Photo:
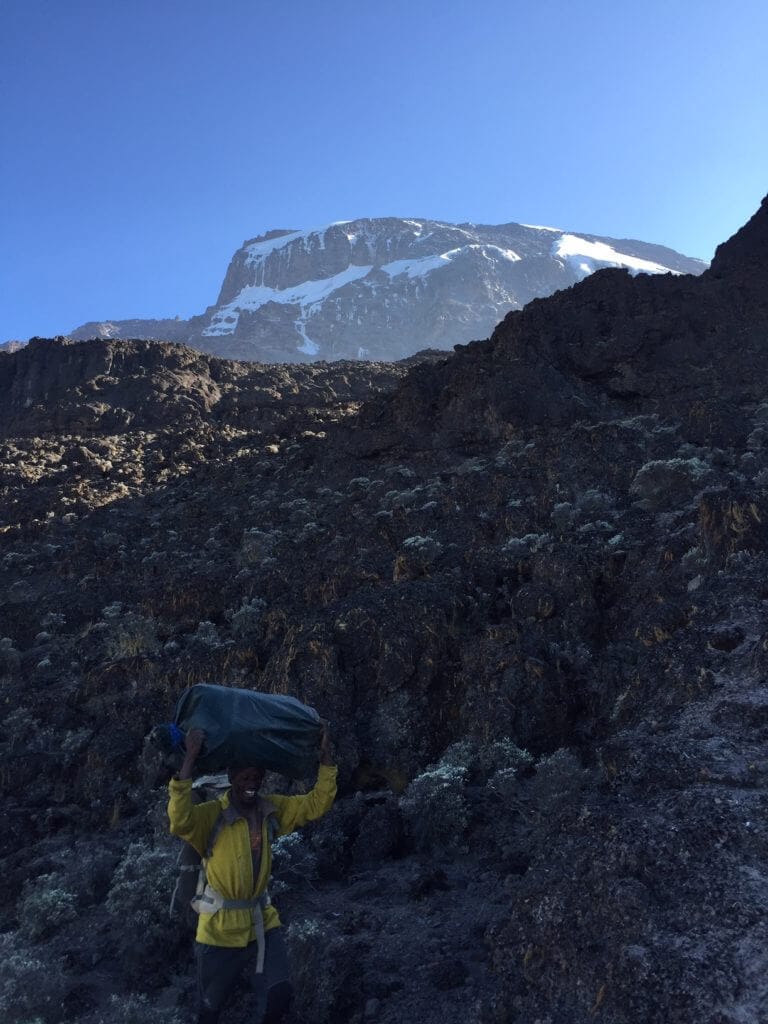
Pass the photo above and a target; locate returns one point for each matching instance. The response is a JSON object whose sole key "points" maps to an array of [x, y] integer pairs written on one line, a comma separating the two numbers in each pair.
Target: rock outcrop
{"points": [[57, 385]]}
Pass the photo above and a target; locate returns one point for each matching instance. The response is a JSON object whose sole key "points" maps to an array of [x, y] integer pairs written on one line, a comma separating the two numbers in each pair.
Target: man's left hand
{"points": [[326, 746]]}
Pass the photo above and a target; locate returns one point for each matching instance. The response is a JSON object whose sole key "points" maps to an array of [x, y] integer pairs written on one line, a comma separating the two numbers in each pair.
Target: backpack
{"points": [[189, 863]]}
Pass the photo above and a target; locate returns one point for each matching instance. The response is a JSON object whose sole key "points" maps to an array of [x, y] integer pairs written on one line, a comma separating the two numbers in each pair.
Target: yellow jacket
{"points": [[230, 866]]}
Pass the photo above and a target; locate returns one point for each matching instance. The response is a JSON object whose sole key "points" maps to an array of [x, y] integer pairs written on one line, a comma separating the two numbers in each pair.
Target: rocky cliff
{"points": [[386, 288], [526, 583]]}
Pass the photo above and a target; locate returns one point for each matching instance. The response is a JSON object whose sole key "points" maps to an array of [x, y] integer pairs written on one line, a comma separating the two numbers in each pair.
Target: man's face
{"points": [[246, 783]]}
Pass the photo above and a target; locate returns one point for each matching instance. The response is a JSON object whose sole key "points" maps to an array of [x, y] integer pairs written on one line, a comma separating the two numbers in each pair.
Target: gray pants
{"points": [[219, 969]]}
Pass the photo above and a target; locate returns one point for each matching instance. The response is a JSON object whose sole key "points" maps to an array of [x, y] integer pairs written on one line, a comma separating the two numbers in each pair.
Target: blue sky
{"points": [[144, 140]]}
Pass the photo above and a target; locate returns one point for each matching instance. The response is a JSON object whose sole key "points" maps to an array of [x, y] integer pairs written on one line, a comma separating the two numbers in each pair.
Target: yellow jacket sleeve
{"points": [[295, 811], [191, 822]]}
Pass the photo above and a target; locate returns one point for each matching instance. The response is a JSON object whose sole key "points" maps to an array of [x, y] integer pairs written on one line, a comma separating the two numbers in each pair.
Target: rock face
{"points": [[57, 385], [526, 584], [383, 289]]}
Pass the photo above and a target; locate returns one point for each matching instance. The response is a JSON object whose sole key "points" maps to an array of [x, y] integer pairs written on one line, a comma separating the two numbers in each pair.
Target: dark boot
{"points": [[278, 1001]]}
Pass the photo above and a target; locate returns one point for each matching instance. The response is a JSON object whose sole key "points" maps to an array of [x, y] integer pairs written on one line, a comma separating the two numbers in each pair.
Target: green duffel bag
{"points": [[244, 728]]}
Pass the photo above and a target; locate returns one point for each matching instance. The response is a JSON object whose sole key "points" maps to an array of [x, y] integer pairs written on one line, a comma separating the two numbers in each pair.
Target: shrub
{"points": [[522, 547], [402, 499], [666, 484], [257, 545], [138, 900], [21, 733], [130, 634], [53, 621], [31, 988], [205, 636], [758, 439], [45, 904], [402, 472], [504, 783], [359, 485], [562, 515], [461, 755], [140, 883], [136, 1009], [246, 620], [379, 832], [536, 806], [472, 465], [693, 560], [499, 763], [330, 839], [558, 783], [505, 762], [434, 806], [593, 500], [418, 555], [314, 991], [73, 744], [294, 863], [10, 658]]}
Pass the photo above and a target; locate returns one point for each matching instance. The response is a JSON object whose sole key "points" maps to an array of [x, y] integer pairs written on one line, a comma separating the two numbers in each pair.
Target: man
{"points": [[238, 930]]}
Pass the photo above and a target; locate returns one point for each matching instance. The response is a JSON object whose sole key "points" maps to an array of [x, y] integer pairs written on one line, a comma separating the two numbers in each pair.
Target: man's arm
{"points": [[326, 746], [193, 744], [191, 822], [295, 811]]}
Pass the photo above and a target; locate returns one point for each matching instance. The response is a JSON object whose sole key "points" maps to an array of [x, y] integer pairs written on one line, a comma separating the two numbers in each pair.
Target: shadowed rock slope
{"points": [[526, 583]]}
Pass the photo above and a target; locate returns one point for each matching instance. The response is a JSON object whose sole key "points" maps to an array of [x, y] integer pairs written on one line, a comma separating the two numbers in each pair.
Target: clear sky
{"points": [[143, 140]]}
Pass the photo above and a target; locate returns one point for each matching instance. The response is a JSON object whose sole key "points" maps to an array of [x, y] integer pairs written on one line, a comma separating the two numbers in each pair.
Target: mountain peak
{"points": [[383, 288]]}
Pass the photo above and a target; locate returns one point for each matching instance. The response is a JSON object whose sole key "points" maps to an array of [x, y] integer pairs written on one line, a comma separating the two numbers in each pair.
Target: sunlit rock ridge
{"points": [[386, 288]]}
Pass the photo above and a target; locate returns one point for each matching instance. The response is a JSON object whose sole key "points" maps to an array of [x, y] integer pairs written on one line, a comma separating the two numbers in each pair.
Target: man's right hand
{"points": [[193, 744], [193, 741]]}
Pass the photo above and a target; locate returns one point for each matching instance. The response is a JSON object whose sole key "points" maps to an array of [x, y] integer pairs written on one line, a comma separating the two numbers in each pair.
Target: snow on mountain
{"points": [[307, 295], [586, 257], [385, 288]]}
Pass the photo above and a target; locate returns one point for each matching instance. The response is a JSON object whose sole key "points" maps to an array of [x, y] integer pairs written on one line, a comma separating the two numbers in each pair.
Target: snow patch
{"points": [[586, 257], [306, 294], [505, 254], [224, 322], [426, 264], [260, 250], [309, 347], [417, 267]]}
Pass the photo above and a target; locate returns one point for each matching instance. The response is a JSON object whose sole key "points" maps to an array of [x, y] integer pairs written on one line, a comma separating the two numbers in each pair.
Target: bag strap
{"points": [[273, 827], [214, 834]]}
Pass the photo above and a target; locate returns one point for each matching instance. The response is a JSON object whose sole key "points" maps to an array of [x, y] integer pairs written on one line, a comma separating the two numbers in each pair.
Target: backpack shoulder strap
{"points": [[273, 828], [214, 834]]}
